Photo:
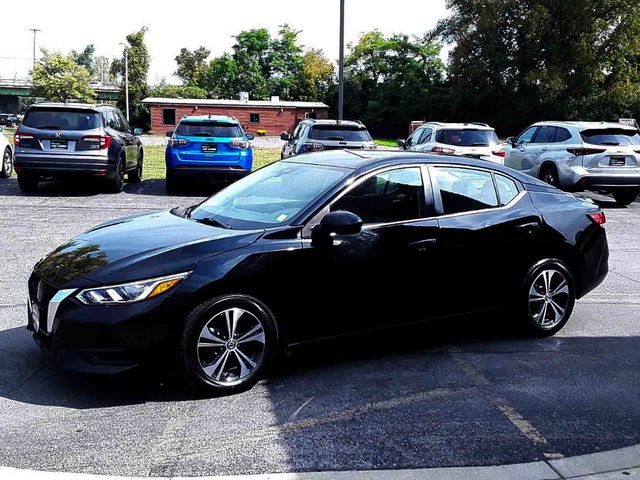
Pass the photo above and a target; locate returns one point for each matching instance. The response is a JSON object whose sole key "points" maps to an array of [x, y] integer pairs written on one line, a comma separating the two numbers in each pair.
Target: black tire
{"points": [[6, 163], [115, 184], [204, 368], [171, 184], [625, 197], [135, 176], [549, 174], [28, 182], [542, 312]]}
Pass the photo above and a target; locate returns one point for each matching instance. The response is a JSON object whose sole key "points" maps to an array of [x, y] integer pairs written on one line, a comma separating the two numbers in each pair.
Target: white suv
{"points": [[6, 155], [476, 140], [577, 156]]}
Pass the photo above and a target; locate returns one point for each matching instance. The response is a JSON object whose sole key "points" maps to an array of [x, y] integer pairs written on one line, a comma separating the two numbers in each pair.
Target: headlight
{"points": [[130, 292]]}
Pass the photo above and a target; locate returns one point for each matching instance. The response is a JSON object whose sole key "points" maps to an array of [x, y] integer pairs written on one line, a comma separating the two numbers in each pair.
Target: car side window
{"points": [[414, 138], [507, 189], [426, 137], [545, 135], [465, 190], [391, 196], [123, 122], [526, 136], [562, 135]]}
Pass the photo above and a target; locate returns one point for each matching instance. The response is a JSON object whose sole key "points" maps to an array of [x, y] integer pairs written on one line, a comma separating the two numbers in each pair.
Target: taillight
{"points": [[311, 147], [598, 217], [178, 142], [444, 151], [97, 142], [500, 153], [241, 144], [579, 152], [21, 137]]}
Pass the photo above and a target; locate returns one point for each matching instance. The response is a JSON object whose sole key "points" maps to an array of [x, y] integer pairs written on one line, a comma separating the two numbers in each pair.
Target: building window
{"points": [[311, 115], [168, 116], [254, 118]]}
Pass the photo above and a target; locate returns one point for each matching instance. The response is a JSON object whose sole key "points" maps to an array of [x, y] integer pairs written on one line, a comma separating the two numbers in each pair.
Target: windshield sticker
{"points": [[281, 218]]}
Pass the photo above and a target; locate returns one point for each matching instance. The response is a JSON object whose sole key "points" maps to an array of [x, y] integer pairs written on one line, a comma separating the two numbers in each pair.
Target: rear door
{"points": [[130, 142]]}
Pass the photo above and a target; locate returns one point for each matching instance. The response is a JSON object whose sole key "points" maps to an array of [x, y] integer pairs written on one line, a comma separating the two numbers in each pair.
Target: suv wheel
{"points": [[28, 182], [227, 345], [6, 168], [547, 298], [549, 175], [116, 183], [625, 197], [136, 175]]}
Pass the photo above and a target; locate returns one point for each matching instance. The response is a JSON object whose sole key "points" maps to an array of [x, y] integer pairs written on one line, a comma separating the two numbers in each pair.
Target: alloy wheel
{"points": [[7, 162], [549, 298], [549, 178], [231, 346]]}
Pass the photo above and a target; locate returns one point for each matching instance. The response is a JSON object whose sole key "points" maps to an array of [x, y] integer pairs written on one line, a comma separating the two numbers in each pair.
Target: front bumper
{"points": [[63, 165]]}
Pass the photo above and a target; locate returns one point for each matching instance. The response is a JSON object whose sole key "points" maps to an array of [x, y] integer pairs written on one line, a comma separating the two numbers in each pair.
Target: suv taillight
{"points": [[579, 152], [444, 151], [241, 144], [598, 217], [21, 137], [97, 142], [178, 142], [500, 153], [311, 147]]}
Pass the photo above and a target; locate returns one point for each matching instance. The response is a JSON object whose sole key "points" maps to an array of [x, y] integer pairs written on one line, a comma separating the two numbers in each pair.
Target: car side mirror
{"points": [[285, 136], [250, 136], [402, 142], [170, 134], [511, 141], [137, 132], [341, 223]]}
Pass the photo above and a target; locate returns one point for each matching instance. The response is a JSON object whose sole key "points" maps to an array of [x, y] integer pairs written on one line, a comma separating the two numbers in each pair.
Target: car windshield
{"points": [[209, 129], [611, 136], [340, 134], [464, 137], [62, 119], [269, 197]]}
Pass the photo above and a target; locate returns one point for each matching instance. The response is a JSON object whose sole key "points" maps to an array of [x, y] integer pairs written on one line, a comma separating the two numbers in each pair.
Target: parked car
{"points": [[6, 152], [474, 140], [9, 119], [207, 149], [319, 245], [578, 156], [65, 139], [316, 135]]}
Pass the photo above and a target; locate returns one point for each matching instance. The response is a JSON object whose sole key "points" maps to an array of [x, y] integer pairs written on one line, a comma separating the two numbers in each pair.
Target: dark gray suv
{"points": [[58, 140], [317, 135]]}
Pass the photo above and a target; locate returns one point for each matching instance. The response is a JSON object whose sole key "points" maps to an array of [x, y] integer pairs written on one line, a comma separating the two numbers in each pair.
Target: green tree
{"points": [[178, 91], [59, 78], [138, 57], [286, 63], [220, 78], [191, 64], [86, 57], [318, 75]]}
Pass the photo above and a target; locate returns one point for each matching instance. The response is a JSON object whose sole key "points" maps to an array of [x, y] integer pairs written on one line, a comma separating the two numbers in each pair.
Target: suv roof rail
{"points": [[481, 124]]}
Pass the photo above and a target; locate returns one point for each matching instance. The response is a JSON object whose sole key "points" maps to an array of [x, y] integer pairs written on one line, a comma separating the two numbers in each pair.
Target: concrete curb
{"points": [[623, 463]]}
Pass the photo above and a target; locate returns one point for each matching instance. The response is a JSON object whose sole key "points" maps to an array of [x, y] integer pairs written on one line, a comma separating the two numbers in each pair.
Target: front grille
{"points": [[40, 294]]}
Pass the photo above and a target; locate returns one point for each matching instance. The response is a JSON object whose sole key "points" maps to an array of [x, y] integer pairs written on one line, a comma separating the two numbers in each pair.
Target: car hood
{"points": [[138, 247]]}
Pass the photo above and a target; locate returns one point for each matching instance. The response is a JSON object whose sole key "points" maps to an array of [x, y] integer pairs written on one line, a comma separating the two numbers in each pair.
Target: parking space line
{"points": [[510, 413]]}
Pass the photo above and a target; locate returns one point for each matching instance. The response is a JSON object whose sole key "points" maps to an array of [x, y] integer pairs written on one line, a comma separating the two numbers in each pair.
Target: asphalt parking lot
{"points": [[468, 392]]}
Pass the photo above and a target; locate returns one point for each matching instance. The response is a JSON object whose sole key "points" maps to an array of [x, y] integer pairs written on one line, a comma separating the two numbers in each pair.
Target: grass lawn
{"points": [[386, 142], [154, 167]]}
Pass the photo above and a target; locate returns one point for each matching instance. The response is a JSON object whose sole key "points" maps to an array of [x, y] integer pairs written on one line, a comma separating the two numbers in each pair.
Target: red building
{"points": [[273, 117]]}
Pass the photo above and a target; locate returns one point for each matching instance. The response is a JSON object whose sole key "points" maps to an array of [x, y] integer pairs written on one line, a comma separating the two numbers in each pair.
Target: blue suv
{"points": [[207, 149]]}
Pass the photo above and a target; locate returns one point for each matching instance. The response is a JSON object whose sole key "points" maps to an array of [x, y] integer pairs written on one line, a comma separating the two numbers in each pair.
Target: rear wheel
{"points": [[227, 345], [136, 175], [116, 183], [625, 197], [28, 182], [547, 298], [549, 174], [6, 167]]}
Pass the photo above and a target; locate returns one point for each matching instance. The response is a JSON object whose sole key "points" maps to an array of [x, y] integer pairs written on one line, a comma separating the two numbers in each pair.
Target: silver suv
{"points": [[317, 135], [578, 156]]}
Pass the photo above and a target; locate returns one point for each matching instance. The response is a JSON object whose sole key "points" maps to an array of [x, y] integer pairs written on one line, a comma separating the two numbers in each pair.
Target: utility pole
{"points": [[126, 78], [341, 65], [35, 32]]}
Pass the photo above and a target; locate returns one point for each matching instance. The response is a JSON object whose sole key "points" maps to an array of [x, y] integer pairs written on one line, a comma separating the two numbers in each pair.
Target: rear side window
{"points": [[62, 119], [391, 196], [465, 190], [208, 129], [467, 137], [507, 189], [340, 134], [562, 135], [545, 135], [611, 136]]}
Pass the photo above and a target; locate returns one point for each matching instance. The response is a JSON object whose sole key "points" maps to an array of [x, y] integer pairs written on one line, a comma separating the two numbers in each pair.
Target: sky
{"points": [[68, 25]]}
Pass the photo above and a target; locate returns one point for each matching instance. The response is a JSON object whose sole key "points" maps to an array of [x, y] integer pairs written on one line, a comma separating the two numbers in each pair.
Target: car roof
{"points": [[583, 125], [72, 106], [209, 118], [359, 160], [462, 126], [346, 123]]}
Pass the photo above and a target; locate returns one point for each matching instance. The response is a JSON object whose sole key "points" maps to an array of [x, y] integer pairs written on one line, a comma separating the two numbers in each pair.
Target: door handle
{"points": [[528, 226], [544, 149], [423, 245]]}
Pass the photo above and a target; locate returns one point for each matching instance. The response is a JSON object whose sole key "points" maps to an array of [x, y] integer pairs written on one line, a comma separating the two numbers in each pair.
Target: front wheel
{"points": [[227, 345], [547, 299], [136, 175], [6, 167], [625, 197]]}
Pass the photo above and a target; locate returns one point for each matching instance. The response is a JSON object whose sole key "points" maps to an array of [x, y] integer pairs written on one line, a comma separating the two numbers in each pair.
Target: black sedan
{"points": [[327, 244]]}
